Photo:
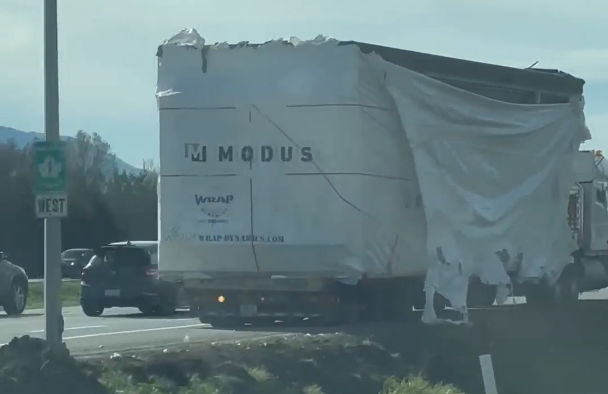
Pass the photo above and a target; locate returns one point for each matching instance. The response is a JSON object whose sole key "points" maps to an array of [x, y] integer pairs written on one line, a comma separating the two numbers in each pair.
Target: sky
{"points": [[107, 63]]}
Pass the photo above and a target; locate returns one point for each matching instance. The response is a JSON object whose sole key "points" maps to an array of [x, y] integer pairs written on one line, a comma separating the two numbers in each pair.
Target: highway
{"points": [[120, 329]]}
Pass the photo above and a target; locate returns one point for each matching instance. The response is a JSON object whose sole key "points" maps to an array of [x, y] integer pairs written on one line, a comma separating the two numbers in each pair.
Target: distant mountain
{"points": [[24, 138]]}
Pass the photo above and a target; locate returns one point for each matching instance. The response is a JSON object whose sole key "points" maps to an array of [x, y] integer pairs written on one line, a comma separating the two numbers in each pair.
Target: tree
{"points": [[103, 205]]}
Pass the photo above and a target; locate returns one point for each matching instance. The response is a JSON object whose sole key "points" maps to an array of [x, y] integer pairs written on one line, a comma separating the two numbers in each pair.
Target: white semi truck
{"points": [[289, 189], [588, 218]]}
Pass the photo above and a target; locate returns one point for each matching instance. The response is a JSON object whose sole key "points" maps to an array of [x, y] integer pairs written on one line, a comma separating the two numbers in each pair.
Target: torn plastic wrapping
{"points": [[494, 176], [382, 139]]}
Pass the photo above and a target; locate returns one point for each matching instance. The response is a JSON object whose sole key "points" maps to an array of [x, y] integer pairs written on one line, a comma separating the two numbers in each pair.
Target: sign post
{"points": [[50, 170]]}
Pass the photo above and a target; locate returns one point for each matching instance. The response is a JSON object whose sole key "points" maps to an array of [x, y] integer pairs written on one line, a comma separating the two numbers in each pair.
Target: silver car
{"points": [[13, 286]]}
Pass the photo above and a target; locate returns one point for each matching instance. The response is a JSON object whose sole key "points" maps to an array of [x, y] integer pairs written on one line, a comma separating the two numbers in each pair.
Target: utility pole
{"points": [[52, 225]]}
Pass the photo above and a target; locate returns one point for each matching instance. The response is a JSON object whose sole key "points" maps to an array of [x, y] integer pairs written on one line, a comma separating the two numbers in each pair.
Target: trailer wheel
{"points": [[566, 291], [146, 310], [390, 300], [563, 294], [481, 295], [348, 314], [223, 322], [537, 295]]}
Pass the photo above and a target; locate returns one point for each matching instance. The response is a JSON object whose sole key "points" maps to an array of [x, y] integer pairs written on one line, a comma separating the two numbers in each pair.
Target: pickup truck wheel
{"points": [[17, 298], [91, 308]]}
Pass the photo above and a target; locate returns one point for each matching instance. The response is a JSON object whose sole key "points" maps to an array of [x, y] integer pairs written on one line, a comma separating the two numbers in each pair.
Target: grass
{"points": [[297, 364], [263, 383], [70, 294]]}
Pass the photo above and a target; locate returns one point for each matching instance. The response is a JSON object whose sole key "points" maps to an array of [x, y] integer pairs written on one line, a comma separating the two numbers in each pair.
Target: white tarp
{"points": [[494, 176], [284, 160], [299, 159]]}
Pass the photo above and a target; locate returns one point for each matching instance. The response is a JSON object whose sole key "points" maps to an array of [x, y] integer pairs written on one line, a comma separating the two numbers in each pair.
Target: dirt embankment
{"points": [[28, 366], [532, 352]]}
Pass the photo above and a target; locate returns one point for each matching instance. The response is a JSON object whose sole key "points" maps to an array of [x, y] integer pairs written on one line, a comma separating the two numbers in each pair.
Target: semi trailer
{"points": [[292, 173]]}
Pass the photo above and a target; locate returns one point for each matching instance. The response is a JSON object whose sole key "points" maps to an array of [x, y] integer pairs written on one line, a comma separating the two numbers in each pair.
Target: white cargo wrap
{"points": [[284, 160], [311, 158]]}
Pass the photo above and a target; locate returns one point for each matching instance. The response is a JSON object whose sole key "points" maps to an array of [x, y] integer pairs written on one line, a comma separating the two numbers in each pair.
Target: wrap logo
{"points": [[197, 152], [214, 207], [213, 199]]}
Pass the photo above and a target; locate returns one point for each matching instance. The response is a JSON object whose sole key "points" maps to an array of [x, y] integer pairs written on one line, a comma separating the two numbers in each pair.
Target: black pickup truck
{"points": [[13, 286]]}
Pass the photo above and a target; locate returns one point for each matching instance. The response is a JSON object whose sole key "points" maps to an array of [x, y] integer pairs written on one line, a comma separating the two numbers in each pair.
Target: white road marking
{"points": [[71, 328], [104, 334], [487, 372]]}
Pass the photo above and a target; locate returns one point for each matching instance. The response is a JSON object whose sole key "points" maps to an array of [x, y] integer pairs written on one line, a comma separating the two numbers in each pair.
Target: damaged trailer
{"points": [[289, 185]]}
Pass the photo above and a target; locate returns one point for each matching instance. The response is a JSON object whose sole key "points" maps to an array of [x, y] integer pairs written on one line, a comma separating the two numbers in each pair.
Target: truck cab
{"points": [[589, 219], [587, 214]]}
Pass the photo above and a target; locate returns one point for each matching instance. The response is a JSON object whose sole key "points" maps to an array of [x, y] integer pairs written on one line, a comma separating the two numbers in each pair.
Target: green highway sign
{"points": [[50, 167]]}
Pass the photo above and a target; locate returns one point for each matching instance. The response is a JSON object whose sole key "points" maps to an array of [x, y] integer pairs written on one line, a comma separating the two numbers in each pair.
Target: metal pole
{"points": [[52, 226]]}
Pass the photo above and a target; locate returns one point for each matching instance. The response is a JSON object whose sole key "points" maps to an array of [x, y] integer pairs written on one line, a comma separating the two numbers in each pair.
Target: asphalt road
{"points": [[120, 329]]}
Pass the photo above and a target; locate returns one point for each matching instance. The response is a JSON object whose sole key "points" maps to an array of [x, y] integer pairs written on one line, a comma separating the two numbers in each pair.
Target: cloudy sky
{"points": [[108, 66]]}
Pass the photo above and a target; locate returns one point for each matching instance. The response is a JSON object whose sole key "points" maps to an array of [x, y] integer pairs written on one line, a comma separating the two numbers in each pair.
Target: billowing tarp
{"points": [[494, 176], [312, 158]]}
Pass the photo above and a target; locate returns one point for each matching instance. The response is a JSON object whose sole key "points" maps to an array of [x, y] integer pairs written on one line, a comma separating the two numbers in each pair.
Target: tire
{"points": [[481, 295], [537, 296], [167, 306], [223, 322], [566, 291], [563, 294], [347, 314], [91, 308], [147, 310], [16, 300]]}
